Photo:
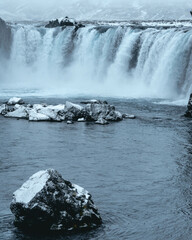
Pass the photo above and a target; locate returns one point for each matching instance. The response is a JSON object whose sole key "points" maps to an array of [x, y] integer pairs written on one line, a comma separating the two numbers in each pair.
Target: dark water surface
{"points": [[138, 171]]}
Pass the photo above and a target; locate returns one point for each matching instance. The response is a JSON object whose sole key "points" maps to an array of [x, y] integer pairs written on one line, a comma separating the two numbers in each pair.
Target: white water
{"points": [[103, 61]]}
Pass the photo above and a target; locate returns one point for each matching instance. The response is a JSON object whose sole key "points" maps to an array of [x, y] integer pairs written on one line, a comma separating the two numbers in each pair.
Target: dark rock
{"points": [[65, 22], [101, 121], [189, 107], [50, 203], [94, 111]]}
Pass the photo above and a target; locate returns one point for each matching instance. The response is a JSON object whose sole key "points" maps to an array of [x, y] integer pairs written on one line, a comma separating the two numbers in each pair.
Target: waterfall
{"points": [[123, 61]]}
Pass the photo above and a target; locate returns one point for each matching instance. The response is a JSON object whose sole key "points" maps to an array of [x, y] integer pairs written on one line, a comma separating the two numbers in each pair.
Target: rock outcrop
{"points": [[64, 22], [189, 107], [96, 111], [48, 202]]}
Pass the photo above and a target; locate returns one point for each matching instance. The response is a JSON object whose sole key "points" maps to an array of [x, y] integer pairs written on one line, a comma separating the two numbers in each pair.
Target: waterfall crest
{"points": [[123, 61]]}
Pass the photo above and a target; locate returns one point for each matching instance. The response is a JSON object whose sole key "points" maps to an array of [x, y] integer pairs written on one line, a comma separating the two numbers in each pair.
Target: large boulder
{"points": [[189, 107], [102, 110], [48, 202]]}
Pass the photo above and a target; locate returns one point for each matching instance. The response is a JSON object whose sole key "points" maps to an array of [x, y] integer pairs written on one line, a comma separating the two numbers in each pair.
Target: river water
{"points": [[139, 172]]}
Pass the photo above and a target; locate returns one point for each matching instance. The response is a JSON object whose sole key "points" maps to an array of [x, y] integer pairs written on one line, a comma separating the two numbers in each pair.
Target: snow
{"points": [[31, 187], [81, 120], [81, 191], [173, 23], [35, 116], [20, 112], [69, 105], [57, 108]]}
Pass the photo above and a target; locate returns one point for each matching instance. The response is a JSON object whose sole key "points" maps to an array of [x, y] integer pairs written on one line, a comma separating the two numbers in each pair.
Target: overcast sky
{"points": [[94, 9]]}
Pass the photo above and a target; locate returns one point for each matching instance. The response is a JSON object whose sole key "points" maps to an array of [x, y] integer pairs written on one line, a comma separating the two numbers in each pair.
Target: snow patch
{"points": [[35, 116], [81, 191], [30, 188]]}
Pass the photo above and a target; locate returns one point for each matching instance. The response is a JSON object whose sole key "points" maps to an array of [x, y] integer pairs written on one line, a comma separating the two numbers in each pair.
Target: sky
{"points": [[95, 9]]}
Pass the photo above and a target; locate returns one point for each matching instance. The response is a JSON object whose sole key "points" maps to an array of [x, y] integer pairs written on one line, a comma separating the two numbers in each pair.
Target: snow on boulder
{"points": [[114, 116], [73, 111], [15, 100], [19, 112], [48, 202], [36, 116], [70, 106]]}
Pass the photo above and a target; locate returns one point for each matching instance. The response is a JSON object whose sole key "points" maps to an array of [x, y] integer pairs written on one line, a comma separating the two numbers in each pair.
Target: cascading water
{"points": [[124, 61]]}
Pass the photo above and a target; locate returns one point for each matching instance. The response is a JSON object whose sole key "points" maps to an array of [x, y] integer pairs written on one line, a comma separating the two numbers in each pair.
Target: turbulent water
{"points": [[122, 60]]}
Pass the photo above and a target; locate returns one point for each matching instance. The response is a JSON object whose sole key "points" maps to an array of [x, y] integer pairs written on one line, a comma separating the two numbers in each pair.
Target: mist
{"points": [[89, 10]]}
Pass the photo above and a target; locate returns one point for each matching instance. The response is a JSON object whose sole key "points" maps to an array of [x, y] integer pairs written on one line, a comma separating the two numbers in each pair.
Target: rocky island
{"points": [[99, 112]]}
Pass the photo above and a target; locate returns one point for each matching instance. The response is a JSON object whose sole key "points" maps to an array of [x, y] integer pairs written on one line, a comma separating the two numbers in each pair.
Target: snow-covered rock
{"points": [[15, 100], [48, 202], [36, 116], [69, 106], [19, 112], [101, 121], [114, 116], [73, 111], [95, 111]]}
